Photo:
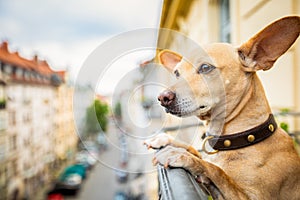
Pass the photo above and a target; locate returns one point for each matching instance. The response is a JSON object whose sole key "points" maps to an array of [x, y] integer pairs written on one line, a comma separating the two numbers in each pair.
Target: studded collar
{"points": [[241, 139]]}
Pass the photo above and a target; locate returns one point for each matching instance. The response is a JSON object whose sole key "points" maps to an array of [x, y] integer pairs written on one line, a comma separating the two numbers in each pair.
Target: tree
{"points": [[97, 117]]}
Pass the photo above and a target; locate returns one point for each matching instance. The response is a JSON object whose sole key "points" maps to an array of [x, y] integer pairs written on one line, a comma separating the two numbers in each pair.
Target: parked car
{"points": [[70, 180], [101, 139], [86, 158], [124, 158], [122, 176], [76, 168], [90, 146], [70, 186], [54, 195], [121, 196]]}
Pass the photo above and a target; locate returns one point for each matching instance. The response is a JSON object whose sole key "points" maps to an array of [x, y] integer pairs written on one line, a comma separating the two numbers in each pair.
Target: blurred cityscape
{"points": [[40, 152], [37, 127]]}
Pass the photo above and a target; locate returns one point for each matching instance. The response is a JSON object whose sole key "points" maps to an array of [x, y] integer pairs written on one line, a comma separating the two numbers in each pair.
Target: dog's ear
{"points": [[264, 48], [169, 59]]}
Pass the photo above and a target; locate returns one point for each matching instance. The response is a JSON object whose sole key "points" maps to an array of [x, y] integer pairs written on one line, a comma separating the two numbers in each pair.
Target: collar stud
{"points": [[227, 143], [271, 127], [251, 138]]}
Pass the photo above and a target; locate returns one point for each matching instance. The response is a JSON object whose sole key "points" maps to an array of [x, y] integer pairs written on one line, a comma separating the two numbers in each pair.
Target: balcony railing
{"points": [[178, 184], [294, 134]]}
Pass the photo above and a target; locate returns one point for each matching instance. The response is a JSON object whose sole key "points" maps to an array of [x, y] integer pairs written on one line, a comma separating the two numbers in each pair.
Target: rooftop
{"points": [[40, 68]]}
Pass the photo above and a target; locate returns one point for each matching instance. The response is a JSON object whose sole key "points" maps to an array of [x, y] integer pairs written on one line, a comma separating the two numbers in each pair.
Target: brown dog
{"points": [[251, 157]]}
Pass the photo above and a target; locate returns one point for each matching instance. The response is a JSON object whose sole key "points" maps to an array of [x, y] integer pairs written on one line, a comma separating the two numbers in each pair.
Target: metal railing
{"points": [[295, 134], [288, 113], [177, 183], [174, 128]]}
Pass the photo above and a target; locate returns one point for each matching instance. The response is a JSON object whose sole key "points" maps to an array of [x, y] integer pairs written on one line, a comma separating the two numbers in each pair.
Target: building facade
{"points": [[37, 123]]}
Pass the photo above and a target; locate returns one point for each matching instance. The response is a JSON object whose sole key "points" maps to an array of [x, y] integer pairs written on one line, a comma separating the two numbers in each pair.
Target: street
{"points": [[124, 153]]}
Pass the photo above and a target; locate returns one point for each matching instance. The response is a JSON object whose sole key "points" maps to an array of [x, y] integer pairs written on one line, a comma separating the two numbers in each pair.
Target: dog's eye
{"points": [[205, 68]]}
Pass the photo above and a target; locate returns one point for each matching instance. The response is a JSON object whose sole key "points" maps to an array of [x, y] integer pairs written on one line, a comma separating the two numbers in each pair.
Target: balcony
{"points": [[2, 104], [3, 120], [288, 119], [2, 150], [2, 92]]}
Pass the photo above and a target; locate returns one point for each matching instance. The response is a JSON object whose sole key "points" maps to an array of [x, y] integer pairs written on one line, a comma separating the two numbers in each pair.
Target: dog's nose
{"points": [[166, 98]]}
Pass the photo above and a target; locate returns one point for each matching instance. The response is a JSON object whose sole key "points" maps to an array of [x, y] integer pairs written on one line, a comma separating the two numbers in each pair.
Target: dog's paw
{"points": [[173, 157], [159, 141]]}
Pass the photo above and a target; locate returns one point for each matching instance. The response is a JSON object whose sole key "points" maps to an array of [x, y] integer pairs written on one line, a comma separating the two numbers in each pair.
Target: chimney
{"points": [[36, 58], [4, 46]]}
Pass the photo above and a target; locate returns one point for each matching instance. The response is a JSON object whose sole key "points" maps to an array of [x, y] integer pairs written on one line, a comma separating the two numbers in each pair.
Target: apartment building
{"points": [[36, 123], [64, 126], [3, 136]]}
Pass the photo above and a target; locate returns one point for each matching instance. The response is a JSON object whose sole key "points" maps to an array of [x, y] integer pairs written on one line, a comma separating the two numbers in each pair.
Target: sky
{"points": [[66, 32]]}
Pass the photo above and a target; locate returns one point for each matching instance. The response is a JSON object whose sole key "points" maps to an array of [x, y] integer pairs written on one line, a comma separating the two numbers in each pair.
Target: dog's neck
{"points": [[251, 110]]}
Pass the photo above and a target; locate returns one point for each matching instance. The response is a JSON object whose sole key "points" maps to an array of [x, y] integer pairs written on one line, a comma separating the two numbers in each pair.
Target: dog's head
{"points": [[220, 77]]}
